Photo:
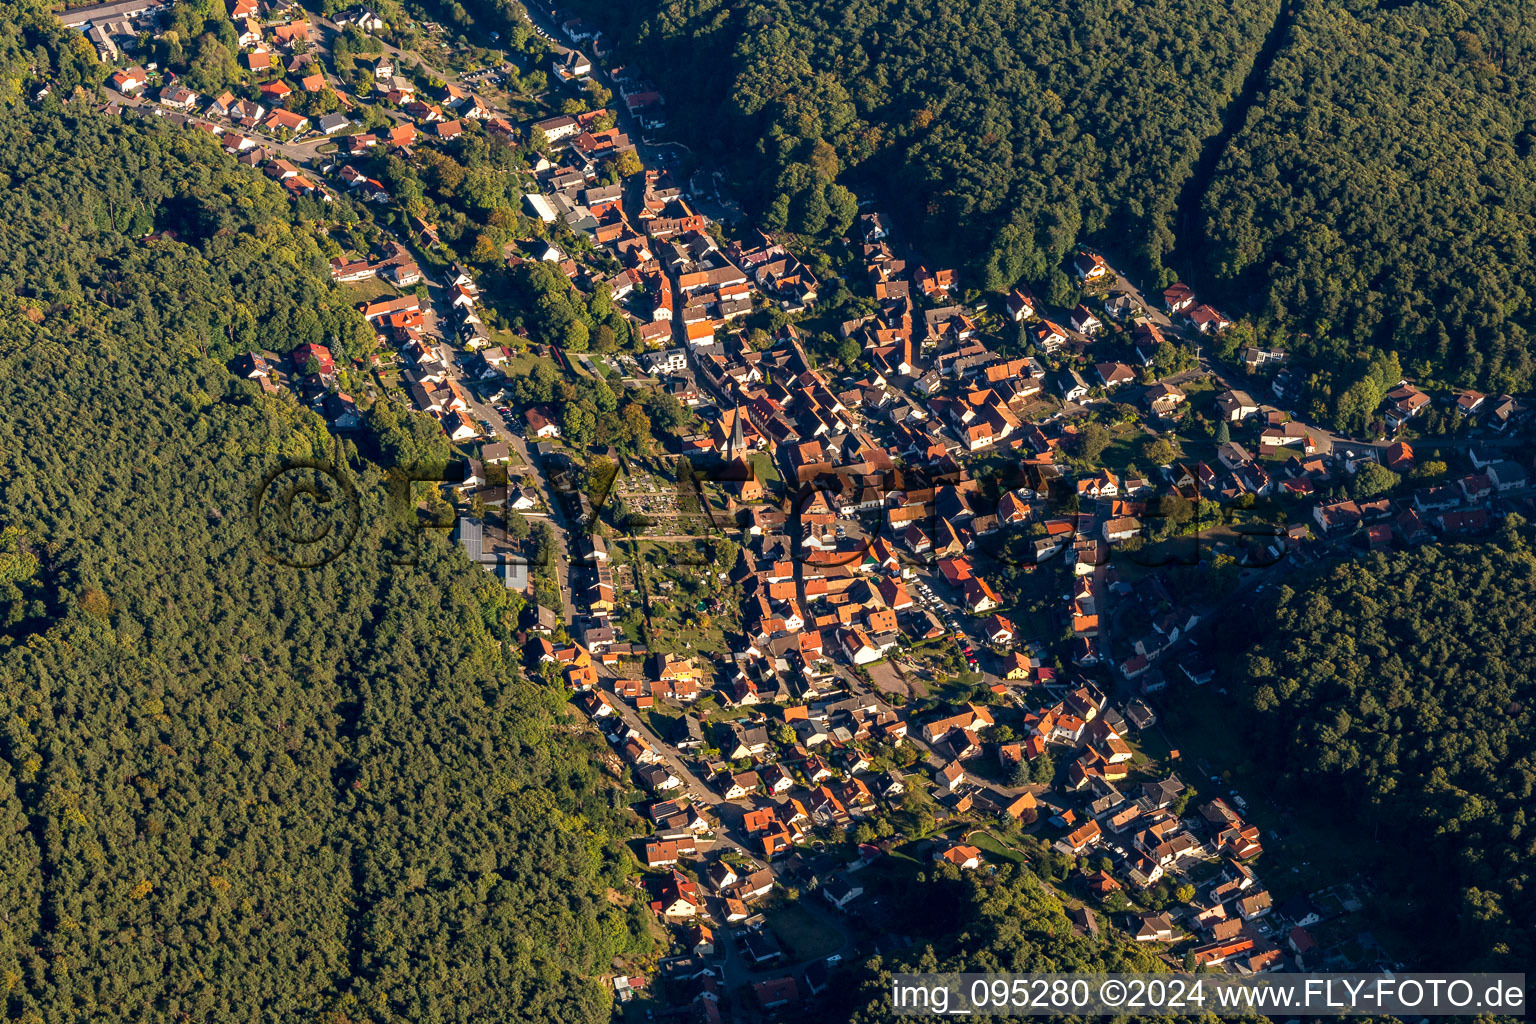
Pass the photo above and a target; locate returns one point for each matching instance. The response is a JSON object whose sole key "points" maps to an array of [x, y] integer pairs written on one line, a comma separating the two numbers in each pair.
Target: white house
{"points": [[1021, 305], [840, 892]]}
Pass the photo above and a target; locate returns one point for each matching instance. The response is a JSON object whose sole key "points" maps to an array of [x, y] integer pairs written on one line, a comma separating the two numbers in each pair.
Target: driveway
{"points": [[1124, 284]]}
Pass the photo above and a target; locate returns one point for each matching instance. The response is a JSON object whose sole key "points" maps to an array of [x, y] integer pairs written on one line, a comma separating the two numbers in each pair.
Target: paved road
{"points": [[1131, 288], [1228, 377], [1225, 376], [299, 152], [697, 790], [435, 314], [557, 513], [453, 359], [401, 56], [928, 758], [552, 498], [737, 971]]}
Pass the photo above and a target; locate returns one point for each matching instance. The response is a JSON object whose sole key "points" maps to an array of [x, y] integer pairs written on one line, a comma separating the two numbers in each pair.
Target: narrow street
{"points": [[552, 498], [298, 152], [694, 787], [789, 624], [736, 970], [435, 314]]}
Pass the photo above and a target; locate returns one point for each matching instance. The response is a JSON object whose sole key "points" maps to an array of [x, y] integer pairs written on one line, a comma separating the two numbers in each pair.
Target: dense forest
{"points": [[1398, 691], [263, 286], [235, 790], [36, 49], [1383, 191], [976, 922], [1012, 129]]}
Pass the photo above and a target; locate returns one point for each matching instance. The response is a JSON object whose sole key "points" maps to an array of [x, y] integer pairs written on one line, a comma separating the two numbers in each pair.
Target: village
{"points": [[910, 591]]}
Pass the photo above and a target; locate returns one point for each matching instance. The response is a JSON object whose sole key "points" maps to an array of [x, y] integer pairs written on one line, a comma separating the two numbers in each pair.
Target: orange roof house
{"points": [[961, 856]]}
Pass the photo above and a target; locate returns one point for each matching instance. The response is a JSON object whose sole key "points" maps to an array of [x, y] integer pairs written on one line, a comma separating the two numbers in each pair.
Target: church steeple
{"points": [[737, 448]]}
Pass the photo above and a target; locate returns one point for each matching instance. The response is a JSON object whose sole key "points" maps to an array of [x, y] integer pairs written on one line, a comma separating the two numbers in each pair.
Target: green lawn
{"points": [[995, 850], [1152, 746], [767, 472], [1125, 449], [805, 934], [369, 289], [521, 364], [729, 714], [896, 865], [673, 611], [1201, 392], [660, 718], [1198, 449], [509, 339]]}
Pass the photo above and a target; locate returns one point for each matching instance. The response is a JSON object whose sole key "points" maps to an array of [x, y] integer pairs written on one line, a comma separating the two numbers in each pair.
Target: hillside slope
{"points": [[1397, 691], [1359, 175], [1383, 193], [238, 790], [1005, 131]]}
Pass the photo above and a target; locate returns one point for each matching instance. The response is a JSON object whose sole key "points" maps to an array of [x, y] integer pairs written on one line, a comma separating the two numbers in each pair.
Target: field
{"points": [[510, 340], [1124, 450], [994, 848], [688, 608], [660, 718], [522, 362], [370, 289], [805, 934]]}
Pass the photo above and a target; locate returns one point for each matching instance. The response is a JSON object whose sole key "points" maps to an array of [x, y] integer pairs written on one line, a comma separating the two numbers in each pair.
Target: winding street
{"points": [[552, 498]]}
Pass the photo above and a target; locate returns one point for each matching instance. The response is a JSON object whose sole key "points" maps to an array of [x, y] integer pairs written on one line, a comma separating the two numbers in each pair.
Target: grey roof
{"points": [[471, 538], [81, 16], [510, 568]]}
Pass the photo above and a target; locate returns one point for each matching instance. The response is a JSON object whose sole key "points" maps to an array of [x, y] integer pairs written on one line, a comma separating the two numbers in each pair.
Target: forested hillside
{"points": [[234, 790], [1377, 195], [1399, 690], [1383, 190], [1008, 922], [35, 48], [1009, 131], [72, 230]]}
